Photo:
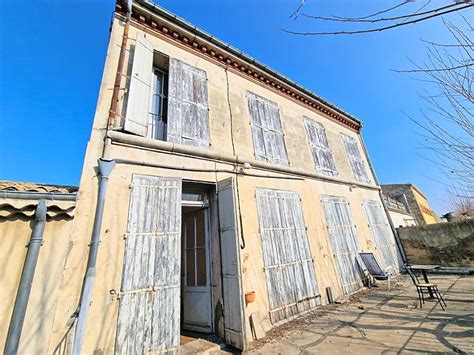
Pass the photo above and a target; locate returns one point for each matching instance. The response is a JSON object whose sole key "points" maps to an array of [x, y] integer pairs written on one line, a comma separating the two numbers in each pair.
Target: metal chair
{"points": [[421, 287], [375, 270]]}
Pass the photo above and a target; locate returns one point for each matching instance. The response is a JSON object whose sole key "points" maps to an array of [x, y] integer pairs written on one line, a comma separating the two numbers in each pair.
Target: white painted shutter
{"points": [[149, 305], [386, 249], [289, 271], [344, 242], [188, 110], [318, 142], [355, 158], [138, 103], [231, 272], [267, 131]]}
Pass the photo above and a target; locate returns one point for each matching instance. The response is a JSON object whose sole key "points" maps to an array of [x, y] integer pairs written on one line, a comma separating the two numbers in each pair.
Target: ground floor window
{"points": [[344, 242], [289, 271]]}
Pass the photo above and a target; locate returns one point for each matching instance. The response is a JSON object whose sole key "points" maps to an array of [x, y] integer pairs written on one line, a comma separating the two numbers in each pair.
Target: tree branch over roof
{"points": [[407, 19]]}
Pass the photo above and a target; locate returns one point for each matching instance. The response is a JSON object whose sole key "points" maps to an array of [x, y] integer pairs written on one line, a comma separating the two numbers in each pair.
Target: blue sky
{"points": [[52, 55]]}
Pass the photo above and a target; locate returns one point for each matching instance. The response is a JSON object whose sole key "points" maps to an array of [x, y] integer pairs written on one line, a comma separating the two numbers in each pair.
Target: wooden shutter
{"points": [[231, 272], [355, 159], [138, 103], [344, 242], [290, 278], [267, 132], [386, 249], [149, 308], [188, 111], [322, 154]]}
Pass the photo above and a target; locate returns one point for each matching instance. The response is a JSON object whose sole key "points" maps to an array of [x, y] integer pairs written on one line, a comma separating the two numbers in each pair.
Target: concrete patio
{"points": [[379, 321]]}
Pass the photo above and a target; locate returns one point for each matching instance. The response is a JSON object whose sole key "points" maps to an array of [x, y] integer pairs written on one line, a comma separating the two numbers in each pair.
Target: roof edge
{"points": [[179, 22]]}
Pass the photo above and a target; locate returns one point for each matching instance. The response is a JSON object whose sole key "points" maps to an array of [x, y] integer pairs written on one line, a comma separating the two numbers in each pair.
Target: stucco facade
{"points": [[231, 154]]}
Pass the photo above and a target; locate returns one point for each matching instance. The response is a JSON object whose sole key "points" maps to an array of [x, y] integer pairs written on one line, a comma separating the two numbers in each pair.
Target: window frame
{"points": [[317, 147]]}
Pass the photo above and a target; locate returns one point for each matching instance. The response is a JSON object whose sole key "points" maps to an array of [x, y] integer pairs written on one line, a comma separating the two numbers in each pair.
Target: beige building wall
{"points": [[400, 219], [228, 128], [16, 223]]}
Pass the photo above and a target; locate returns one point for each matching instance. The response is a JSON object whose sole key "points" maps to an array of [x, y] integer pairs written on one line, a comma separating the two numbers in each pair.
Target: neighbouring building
{"points": [[18, 217], [227, 197], [414, 200], [399, 212]]}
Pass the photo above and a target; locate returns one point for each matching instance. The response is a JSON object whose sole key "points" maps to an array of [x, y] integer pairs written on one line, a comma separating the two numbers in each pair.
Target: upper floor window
{"points": [[267, 132], [355, 158], [167, 98], [157, 125], [318, 142]]}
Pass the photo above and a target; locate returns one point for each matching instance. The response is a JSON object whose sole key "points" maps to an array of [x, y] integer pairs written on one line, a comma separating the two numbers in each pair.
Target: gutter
{"points": [[25, 195], [168, 147]]}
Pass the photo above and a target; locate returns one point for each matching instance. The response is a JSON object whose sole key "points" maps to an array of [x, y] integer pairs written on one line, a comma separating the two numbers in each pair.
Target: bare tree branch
{"points": [[383, 19]]}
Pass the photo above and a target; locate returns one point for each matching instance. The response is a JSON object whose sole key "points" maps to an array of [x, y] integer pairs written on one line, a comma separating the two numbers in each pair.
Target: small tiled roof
{"points": [[33, 187]]}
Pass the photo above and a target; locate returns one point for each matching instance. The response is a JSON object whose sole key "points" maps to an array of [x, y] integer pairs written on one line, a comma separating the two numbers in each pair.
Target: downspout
{"points": [[26, 280], [392, 226], [105, 168]]}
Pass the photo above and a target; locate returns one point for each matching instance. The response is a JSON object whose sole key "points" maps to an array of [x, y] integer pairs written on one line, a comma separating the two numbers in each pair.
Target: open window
{"points": [[167, 98]]}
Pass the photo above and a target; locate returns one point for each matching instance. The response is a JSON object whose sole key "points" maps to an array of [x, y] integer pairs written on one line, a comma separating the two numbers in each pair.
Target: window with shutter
{"points": [[344, 242], [138, 102], [289, 271], [355, 158], [188, 111], [267, 132], [386, 249], [318, 142]]}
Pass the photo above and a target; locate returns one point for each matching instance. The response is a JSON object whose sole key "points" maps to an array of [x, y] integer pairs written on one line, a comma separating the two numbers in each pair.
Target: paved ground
{"points": [[378, 321]]}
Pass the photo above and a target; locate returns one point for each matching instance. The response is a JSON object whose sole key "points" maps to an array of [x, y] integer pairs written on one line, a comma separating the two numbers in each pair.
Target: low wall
{"points": [[446, 244]]}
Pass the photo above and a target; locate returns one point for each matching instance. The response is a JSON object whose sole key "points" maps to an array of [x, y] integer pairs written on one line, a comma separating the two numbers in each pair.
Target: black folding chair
{"points": [[422, 287]]}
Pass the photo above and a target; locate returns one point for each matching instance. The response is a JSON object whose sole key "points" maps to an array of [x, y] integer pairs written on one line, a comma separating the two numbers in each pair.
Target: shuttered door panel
{"points": [[188, 110], [344, 242], [289, 271], [382, 234], [267, 132], [231, 273], [138, 103], [355, 159], [149, 306], [322, 154]]}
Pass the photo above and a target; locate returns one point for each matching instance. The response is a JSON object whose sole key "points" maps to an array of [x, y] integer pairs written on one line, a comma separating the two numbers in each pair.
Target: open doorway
{"points": [[196, 292]]}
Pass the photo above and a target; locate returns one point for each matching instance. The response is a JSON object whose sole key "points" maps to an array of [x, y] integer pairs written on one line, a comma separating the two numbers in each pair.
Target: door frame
{"points": [[204, 205]]}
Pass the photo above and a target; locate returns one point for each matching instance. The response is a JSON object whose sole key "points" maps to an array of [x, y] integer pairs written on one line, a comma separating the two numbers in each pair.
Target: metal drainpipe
{"points": [[105, 168], [26, 280], [392, 226]]}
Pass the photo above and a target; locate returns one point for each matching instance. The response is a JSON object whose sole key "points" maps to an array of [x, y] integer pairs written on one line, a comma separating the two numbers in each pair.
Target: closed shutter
{"points": [[267, 132], [289, 271], [231, 272], [386, 249], [188, 111], [355, 159], [318, 142], [149, 308], [344, 242], [138, 103]]}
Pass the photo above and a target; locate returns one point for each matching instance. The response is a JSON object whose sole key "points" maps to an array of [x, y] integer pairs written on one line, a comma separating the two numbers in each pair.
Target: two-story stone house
{"points": [[233, 195]]}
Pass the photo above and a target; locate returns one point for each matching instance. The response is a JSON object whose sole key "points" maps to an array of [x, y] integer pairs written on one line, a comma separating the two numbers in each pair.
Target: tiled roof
{"points": [[33, 187]]}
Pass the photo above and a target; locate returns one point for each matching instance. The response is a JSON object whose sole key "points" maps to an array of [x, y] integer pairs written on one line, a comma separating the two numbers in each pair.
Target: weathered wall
{"points": [[447, 244], [15, 233]]}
